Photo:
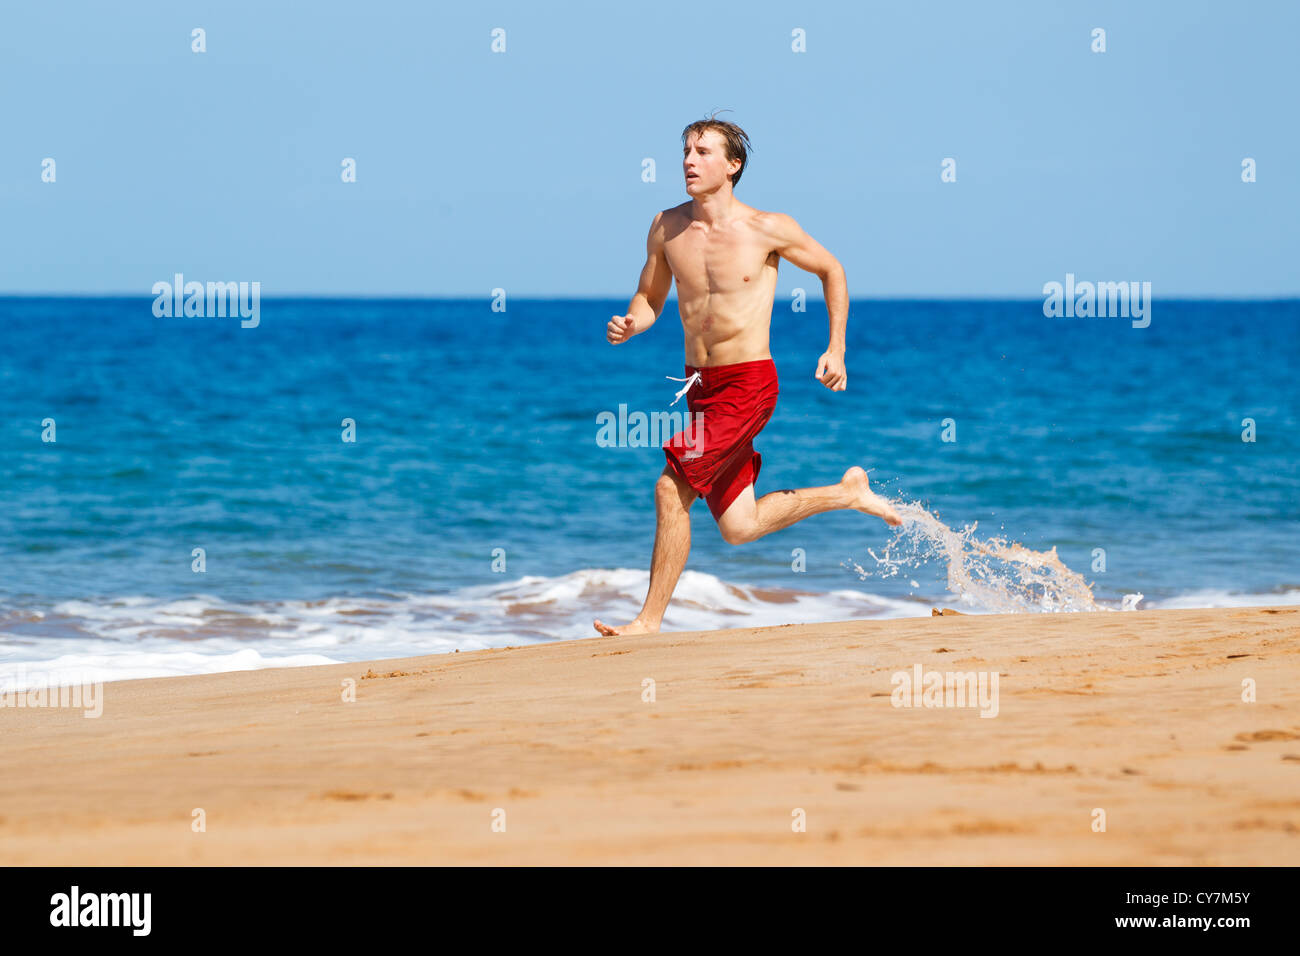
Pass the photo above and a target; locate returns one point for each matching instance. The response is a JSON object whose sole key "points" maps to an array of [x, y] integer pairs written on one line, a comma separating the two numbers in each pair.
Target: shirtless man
{"points": [[724, 255]]}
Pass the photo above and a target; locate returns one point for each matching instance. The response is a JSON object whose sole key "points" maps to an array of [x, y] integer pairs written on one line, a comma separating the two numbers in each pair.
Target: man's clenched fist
{"points": [[831, 372], [620, 329]]}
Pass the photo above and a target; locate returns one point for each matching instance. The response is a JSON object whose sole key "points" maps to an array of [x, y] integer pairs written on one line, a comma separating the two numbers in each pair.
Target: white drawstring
{"points": [[695, 377]]}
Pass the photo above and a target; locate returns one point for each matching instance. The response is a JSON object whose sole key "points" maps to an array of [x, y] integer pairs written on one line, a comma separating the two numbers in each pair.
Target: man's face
{"points": [[704, 162]]}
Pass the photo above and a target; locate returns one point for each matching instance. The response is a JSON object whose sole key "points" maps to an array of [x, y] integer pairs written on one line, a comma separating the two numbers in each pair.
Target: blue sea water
{"points": [[477, 508]]}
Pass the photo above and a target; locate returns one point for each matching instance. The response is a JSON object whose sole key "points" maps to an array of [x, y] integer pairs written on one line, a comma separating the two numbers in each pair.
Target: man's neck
{"points": [[715, 208]]}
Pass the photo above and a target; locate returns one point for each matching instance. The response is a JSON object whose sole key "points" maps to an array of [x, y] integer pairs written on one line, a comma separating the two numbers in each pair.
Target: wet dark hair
{"points": [[737, 140]]}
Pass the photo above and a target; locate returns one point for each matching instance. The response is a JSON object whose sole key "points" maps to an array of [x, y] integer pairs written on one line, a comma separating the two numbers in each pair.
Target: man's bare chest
{"points": [[720, 261]]}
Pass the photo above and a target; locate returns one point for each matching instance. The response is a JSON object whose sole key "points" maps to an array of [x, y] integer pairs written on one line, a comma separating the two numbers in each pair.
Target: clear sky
{"points": [[523, 169]]}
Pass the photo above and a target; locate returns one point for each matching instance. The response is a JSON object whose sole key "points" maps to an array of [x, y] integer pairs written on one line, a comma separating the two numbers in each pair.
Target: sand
{"points": [[750, 730]]}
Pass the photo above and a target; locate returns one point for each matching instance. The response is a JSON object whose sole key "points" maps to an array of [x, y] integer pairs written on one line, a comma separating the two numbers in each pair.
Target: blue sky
{"points": [[522, 170]]}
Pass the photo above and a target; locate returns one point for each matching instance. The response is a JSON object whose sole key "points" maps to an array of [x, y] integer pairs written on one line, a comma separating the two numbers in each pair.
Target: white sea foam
{"points": [[138, 636], [83, 668], [1216, 597]]}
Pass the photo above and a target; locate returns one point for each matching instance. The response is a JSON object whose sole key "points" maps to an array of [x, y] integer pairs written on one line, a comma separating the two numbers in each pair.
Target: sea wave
{"points": [[1217, 597], [138, 636]]}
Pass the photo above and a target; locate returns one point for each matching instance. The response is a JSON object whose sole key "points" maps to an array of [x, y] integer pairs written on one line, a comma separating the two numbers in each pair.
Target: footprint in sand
{"points": [[1260, 736], [352, 795]]}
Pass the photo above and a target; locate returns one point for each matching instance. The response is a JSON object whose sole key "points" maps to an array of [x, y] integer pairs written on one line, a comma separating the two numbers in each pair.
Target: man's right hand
{"points": [[620, 329]]}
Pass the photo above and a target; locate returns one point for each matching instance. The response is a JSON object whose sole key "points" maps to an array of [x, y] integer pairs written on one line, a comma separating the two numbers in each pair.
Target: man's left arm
{"points": [[796, 246]]}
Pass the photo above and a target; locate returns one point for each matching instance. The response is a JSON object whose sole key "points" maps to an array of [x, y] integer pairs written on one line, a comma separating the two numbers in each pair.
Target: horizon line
{"points": [[419, 297]]}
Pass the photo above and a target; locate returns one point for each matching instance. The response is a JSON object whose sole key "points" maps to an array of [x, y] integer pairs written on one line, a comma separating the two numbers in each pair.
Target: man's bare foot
{"points": [[636, 627], [866, 500]]}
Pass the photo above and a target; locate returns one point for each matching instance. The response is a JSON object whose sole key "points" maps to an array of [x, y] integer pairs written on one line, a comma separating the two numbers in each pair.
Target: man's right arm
{"points": [[652, 289]]}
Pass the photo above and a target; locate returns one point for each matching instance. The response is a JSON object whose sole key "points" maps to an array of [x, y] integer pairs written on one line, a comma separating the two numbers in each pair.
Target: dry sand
{"points": [[1139, 714]]}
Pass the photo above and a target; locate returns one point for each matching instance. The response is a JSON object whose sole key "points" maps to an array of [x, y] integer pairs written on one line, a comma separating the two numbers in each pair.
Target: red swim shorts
{"points": [[729, 405]]}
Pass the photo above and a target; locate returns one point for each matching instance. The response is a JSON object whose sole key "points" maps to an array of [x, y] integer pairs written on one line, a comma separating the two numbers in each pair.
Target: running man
{"points": [[724, 256]]}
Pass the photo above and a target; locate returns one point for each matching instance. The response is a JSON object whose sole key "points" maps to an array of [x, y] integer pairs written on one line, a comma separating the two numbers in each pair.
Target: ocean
{"points": [[200, 510]]}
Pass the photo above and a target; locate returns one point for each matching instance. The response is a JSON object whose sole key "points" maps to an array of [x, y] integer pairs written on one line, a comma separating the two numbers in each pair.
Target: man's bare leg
{"points": [[673, 500], [747, 520]]}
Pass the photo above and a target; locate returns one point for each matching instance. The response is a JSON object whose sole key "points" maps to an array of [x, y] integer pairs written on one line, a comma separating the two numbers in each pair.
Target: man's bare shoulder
{"points": [[774, 225], [669, 223], [674, 213], [781, 233]]}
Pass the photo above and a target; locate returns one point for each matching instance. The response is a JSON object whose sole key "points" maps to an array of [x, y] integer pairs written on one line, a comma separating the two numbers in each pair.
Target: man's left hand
{"points": [[831, 372]]}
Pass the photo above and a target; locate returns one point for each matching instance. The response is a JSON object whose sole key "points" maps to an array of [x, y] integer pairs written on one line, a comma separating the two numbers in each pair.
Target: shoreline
{"points": [[1137, 714]]}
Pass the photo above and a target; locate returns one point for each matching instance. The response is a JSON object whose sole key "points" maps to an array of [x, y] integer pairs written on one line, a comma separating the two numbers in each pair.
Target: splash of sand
{"points": [[992, 574]]}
